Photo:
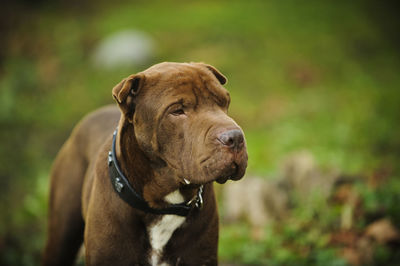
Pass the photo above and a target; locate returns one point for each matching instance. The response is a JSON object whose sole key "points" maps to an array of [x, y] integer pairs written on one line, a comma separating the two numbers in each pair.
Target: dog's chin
{"points": [[222, 180], [230, 171], [192, 182], [234, 172]]}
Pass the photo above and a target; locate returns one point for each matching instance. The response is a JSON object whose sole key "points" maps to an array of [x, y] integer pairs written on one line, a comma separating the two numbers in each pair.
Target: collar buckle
{"points": [[197, 199]]}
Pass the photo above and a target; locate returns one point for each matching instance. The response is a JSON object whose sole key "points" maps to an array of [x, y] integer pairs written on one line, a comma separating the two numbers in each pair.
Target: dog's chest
{"points": [[161, 231]]}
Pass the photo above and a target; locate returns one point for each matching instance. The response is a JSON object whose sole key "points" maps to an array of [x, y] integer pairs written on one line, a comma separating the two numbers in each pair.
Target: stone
{"points": [[127, 48]]}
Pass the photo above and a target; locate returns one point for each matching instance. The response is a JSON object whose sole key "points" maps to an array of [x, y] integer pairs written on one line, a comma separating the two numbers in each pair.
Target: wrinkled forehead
{"points": [[192, 85]]}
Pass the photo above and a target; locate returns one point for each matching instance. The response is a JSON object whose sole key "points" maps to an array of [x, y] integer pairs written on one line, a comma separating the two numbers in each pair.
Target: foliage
{"points": [[316, 75]]}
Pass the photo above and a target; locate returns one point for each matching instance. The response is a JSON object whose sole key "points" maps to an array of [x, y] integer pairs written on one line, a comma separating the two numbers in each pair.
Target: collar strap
{"points": [[126, 192]]}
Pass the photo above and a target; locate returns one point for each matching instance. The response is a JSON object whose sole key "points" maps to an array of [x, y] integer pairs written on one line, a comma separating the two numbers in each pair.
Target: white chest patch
{"points": [[161, 231]]}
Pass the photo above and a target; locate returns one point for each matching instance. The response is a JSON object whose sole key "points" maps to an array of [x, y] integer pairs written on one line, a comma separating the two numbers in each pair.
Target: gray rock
{"points": [[305, 178], [127, 48], [260, 200]]}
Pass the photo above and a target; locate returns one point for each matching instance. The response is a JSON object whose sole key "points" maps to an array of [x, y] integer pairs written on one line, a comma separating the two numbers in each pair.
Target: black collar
{"points": [[126, 192]]}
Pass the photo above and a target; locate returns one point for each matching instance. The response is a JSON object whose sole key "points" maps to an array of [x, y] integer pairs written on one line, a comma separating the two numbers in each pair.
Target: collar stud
{"points": [[118, 185]]}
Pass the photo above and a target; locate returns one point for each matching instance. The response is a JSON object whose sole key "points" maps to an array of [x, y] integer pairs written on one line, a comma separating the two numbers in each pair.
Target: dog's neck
{"points": [[131, 159], [152, 180]]}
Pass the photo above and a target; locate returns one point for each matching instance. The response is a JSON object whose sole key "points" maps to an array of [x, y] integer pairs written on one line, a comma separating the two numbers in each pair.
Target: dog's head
{"points": [[179, 115]]}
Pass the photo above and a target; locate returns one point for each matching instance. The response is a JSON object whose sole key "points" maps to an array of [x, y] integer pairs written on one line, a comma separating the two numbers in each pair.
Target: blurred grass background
{"points": [[316, 75]]}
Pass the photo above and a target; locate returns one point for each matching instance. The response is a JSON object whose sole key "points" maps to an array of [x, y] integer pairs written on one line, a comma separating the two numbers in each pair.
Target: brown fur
{"points": [[170, 120]]}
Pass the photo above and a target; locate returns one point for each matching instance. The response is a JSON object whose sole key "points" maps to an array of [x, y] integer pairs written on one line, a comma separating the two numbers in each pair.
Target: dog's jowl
{"points": [[134, 182]]}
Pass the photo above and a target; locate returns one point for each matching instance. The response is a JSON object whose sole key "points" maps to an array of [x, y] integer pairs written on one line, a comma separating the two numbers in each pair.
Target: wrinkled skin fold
{"points": [[174, 136]]}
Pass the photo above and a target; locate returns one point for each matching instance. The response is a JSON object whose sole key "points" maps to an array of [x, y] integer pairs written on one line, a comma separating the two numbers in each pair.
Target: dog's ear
{"points": [[125, 92], [221, 78]]}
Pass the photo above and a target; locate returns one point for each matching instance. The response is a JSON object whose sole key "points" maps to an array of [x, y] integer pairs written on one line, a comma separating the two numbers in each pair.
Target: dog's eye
{"points": [[178, 112]]}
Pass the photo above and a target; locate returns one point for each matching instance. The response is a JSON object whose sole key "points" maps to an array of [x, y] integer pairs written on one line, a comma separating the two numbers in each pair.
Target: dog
{"points": [[135, 182]]}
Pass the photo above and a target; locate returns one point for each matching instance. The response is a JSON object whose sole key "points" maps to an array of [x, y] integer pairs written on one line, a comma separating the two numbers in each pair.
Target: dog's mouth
{"points": [[231, 173], [222, 180], [233, 170]]}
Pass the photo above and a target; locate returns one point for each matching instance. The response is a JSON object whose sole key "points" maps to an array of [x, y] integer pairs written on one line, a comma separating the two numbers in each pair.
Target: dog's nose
{"points": [[232, 138]]}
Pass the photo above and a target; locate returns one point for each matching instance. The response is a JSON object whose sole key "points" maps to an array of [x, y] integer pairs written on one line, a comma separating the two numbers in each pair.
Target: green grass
{"points": [[309, 75]]}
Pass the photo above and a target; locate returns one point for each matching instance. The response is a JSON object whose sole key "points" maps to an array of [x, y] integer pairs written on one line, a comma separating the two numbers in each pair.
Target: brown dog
{"points": [[145, 195]]}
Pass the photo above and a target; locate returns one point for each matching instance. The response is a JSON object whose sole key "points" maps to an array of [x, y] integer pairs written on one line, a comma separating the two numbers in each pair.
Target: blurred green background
{"points": [[321, 76]]}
